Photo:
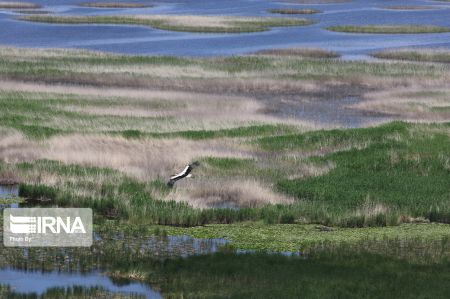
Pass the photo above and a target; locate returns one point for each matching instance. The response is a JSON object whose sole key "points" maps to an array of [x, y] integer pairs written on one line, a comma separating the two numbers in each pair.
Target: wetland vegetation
{"points": [[294, 11], [358, 208], [390, 29], [18, 5], [419, 55], [32, 11], [317, 1], [206, 24], [115, 5], [409, 7], [57, 138], [318, 177], [226, 275], [300, 52], [390, 266]]}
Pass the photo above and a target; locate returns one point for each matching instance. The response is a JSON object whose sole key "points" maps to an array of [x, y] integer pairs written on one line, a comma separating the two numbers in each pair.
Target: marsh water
{"points": [[36, 272], [38, 282], [145, 40], [61, 272], [334, 112], [9, 196]]}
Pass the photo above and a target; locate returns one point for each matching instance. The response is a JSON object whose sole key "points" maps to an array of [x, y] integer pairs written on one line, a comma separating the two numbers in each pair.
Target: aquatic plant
{"points": [[411, 54], [116, 4], [294, 11], [390, 29], [205, 24]]}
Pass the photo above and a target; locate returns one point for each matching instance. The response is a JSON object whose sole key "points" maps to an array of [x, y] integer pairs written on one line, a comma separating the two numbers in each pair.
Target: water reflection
{"points": [[9, 196], [38, 270], [163, 246], [9, 191], [38, 283]]}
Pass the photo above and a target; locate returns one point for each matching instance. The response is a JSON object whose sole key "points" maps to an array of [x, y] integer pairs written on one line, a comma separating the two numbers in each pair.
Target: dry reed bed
{"points": [[226, 193], [18, 5], [147, 159], [414, 104], [37, 54]]}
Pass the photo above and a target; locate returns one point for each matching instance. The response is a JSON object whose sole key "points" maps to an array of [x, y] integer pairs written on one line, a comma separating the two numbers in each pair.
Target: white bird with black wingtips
{"points": [[186, 172]]}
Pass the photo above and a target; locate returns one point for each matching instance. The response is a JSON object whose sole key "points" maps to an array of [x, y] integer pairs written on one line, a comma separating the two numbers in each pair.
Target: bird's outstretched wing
{"points": [[182, 174], [186, 172]]}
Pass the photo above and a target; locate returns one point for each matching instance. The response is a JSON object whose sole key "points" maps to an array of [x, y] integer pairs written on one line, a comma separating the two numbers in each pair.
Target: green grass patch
{"points": [[294, 65], [419, 55], [32, 12], [226, 164], [440, 109], [336, 138], [381, 176], [10, 200], [294, 11], [40, 115], [247, 131], [390, 29], [394, 167], [237, 64], [304, 238], [300, 52], [409, 7]]}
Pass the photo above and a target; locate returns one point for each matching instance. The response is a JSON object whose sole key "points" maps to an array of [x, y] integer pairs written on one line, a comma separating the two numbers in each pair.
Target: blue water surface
{"points": [[145, 40]]}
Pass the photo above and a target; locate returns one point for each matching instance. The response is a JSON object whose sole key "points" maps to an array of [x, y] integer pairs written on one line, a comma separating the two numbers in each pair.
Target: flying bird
{"points": [[186, 172]]}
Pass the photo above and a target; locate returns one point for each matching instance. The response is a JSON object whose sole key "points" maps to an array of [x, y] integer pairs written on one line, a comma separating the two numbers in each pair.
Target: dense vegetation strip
{"points": [[382, 176], [430, 55], [204, 24], [390, 29]]}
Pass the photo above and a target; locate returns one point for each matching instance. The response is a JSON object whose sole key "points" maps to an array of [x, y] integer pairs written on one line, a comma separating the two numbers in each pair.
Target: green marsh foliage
{"points": [[383, 176]]}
